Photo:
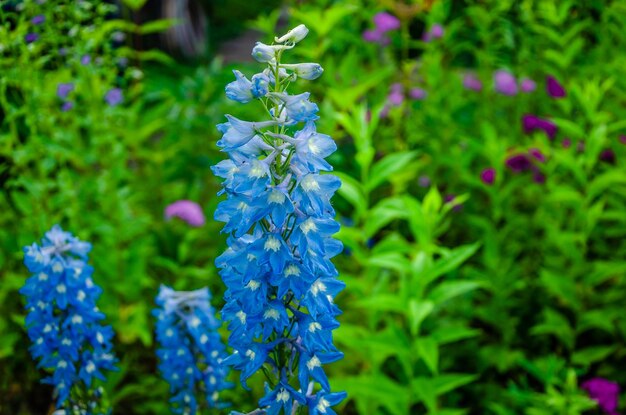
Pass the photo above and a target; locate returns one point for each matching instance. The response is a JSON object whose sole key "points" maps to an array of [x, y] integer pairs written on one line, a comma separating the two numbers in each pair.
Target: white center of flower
{"points": [[250, 353], [62, 364], [256, 171], [313, 147], [77, 272], [204, 338], [189, 370], [214, 354], [180, 352], [253, 285], [276, 197], [90, 367], [40, 340], [314, 326], [80, 296], [57, 267], [271, 244], [38, 257], [47, 328], [241, 316], [187, 399], [215, 396], [194, 322], [282, 396], [250, 257], [292, 270], [313, 363], [169, 333], [89, 283], [309, 184], [308, 226], [41, 304], [318, 287], [212, 380], [77, 319], [99, 337], [271, 313], [66, 342], [322, 405], [61, 289], [43, 276], [242, 206]]}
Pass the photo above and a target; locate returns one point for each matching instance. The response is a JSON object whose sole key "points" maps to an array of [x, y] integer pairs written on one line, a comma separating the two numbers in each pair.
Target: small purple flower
{"points": [[554, 88], [488, 176], [539, 177], [471, 82], [605, 392], [67, 105], [114, 97], [436, 32], [567, 142], [85, 60], [608, 156], [505, 82], [449, 198], [39, 19], [31, 37], [423, 181], [64, 89], [186, 210], [374, 36], [417, 94], [622, 139], [531, 123], [396, 96], [386, 22], [527, 85], [63, 51], [518, 163], [538, 155]]}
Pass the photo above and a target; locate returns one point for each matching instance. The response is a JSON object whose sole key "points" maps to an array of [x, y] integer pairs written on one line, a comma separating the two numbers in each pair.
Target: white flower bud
{"points": [[308, 71], [294, 35]]}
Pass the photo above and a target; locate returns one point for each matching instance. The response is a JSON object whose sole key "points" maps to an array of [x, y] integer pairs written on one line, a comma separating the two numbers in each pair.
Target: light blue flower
{"points": [[240, 90]]}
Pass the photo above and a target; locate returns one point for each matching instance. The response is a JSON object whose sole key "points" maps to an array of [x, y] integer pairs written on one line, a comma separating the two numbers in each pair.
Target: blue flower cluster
{"points": [[63, 320], [278, 271], [191, 351]]}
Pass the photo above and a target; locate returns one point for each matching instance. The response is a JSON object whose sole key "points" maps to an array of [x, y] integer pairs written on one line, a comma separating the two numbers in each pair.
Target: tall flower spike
{"points": [[191, 350], [63, 320], [280, 280]]}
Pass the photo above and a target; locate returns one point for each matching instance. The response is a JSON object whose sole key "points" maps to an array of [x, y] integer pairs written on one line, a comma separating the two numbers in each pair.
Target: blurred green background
{"points": [[464, 295]]}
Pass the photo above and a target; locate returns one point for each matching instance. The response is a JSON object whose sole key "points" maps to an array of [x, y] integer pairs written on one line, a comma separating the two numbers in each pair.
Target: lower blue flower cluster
{"points": [[191, 351], [63, 321]]}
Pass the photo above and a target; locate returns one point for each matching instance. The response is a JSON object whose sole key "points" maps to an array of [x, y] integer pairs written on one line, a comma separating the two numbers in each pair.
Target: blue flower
{"points": [[280, 280], [191, 351], [63, 321], [114, 97]]}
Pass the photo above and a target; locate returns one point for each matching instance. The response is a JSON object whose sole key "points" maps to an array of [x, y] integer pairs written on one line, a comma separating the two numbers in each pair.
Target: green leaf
{"points": [[388, 166], [380, 389], [448, 382], [450, 289], [426, 391], [586, 357], [382, 302], [156, 26], [383, 213], [134, 4], [429, 352], [351, 191], [449, 262], [444, 335], [418, 311]]}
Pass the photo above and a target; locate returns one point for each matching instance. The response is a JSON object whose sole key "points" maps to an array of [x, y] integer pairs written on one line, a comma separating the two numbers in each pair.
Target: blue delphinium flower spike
{"points": [[63, 320], [191, 351], [280, 281]]}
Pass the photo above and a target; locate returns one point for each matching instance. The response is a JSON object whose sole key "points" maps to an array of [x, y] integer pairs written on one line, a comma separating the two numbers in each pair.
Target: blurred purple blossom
{"points": [[386, 22], [39, 19], [436, 32], [63, 89], [423, 181], [531, 123], [607, 156], [518, 163], [31, 37], [567, 142], [85, 60], [396, 95], [539, 177], [186, 210], [67, 105], [449, 198], [488, 175], [114, 97], [527, 85], [505, 82], [471, 82], [417, 93], [554, 88], [604, 392], [538, 155], [622, 139]]}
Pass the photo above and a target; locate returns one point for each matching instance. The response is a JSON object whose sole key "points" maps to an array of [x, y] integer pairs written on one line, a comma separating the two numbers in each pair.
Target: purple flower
{"points": [[436, 32], [527, 85], [64, 89], [531, 123], [605, 392], [554, 88], [386, 22], [423, 181], [567, 142], [396, 96], [449, 198], [85, 60], [418, 93], [114, 97], [505, 82], [31, 37], [608, 156], [39, 19], [539, 177], [471, 82], [518, 163], [186, 210], [67, 105], [538, 155], [375, 36], [488, 176], [622, 139]]}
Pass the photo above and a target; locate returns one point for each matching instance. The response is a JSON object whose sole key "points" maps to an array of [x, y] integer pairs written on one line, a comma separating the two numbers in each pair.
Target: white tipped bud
{"points": [[294, 35], [266, 53], [308, 71]]}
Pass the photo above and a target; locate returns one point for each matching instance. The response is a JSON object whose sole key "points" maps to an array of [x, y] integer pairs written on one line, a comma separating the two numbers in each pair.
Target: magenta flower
{"points": [[539, 177], [567, 142], [39, 19], [488, 176], [538, 155], [114, 97], [435, 32], [527, 85], [186, 210], [622, 139], [605, 392], [505, 82], [423, 181], [374, 36], [471, 82], [386, 22], [396, 96], [64, 89], [417, 94], [532, 123], [518, 163], [607, 156], [67, 105], [31, 37], [554, 88]]}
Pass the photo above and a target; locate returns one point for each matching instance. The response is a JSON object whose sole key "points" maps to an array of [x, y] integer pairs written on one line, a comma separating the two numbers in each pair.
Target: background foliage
{"points": [[462, 297]]}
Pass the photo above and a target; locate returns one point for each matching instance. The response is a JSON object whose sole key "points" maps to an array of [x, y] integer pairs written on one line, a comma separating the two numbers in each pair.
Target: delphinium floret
{"points": [[281, 283], [64, 323], [191, 350]]}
